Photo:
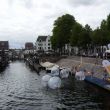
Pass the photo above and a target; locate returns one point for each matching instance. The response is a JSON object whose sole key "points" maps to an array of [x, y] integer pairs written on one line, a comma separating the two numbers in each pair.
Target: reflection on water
{"points": [[21, 89]]}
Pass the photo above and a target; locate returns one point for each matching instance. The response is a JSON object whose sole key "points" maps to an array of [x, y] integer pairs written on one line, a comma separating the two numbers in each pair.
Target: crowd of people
{"points": [[81, 73]]}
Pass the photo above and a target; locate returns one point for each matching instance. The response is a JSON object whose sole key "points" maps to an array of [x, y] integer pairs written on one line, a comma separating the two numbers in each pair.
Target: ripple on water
{"points": [[21, 89]]}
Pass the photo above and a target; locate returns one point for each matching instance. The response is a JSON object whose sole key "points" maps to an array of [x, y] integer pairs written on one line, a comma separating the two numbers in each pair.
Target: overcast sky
{"points": [[23, 20]]}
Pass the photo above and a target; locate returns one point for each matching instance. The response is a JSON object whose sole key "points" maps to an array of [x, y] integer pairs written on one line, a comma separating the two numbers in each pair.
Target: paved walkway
{"points": [[90, 64]]}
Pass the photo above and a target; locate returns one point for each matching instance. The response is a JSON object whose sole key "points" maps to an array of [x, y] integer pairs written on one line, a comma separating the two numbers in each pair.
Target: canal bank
{"points": [[91, 65], [95, 70], [21, 89]]}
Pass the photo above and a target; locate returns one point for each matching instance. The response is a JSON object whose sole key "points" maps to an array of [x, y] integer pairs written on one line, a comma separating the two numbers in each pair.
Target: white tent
{"points": [[47, 64], [107, 51]]}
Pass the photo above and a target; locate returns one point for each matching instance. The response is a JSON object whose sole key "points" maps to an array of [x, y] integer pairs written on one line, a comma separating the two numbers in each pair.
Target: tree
{"points": [[54, 43], [75, 38], [62, 31], [86, 37], [108, 22], [76, 31], [67, 31], [103, 25], [100, 38], [105, 34], [81, 36], [108, 27]]}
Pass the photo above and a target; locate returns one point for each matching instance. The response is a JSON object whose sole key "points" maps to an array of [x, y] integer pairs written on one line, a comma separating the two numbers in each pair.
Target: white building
{"points": [[43, 43]]}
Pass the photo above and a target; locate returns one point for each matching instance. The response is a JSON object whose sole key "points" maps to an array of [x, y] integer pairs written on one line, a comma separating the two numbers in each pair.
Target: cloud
{"points": [[25, 3], [23, 20], [81, 2], [91, 14]]}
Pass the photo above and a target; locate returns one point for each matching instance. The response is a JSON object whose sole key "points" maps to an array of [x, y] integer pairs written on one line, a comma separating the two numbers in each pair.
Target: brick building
{"points": [[4, 45], [29, 46]]}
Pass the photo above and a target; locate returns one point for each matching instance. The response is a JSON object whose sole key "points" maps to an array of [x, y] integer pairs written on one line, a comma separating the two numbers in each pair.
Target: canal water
{"points": [[21, 89]]}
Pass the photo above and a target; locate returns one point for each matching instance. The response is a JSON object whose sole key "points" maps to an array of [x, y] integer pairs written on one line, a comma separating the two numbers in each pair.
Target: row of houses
{"points": [[42, 44]]}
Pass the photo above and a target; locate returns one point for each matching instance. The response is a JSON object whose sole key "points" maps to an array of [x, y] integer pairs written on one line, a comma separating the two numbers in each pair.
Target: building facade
{"points": [[43, 43], [29, 46], [4, 45]]}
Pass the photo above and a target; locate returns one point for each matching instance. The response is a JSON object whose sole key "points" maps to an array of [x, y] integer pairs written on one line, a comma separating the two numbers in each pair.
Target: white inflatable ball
{"points": [[80, 75], [64, 73], [55, 70], [45, 80], [54, 82]]}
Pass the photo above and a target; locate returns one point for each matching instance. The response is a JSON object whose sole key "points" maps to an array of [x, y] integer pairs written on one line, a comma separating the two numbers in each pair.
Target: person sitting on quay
{"points": [[80, 73], [105, 75]]}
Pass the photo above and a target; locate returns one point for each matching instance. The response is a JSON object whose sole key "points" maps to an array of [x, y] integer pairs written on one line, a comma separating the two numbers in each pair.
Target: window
{"points": [[40, 41], [48, 47], [39, 48], [40, 44], [48, 44]]}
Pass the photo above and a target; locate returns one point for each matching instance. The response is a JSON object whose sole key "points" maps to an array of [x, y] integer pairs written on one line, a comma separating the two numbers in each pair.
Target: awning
{"points": [[107, 51], [47, 64]]}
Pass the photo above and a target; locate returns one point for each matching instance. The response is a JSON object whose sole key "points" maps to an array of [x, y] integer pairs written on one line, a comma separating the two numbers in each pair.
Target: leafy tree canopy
{"points": [[62, 29]]}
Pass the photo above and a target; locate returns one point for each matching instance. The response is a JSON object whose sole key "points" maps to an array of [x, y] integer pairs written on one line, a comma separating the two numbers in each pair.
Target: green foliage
{"points": [[76, 33], [54, 42], [81, 36], [62, 30], [67, 31], [103, 25], [100, 37], [108, 22], [85, 39]]}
